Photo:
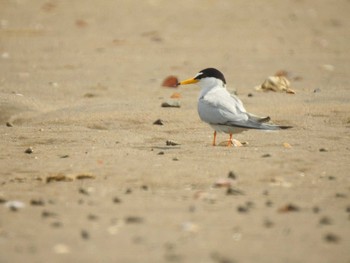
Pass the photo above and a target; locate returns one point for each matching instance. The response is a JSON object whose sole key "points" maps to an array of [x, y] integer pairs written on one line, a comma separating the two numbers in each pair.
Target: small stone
{"points": [[117, 200], [46, 214], [268, 223], [56, 224], [317, 90], [331, 238], [61, 249], [242, 209], [323, 150], [144, 187], [29, 150], [266, 155], [161, 153], [84, 234], [133, 220], [268, 203], [288, 208], [171, 104], [325, 221], [234, 191], [37, 202], [83, 191], [158, 122], [340, 195], [331, 178], [316, 209], [14, 205], [170, 81], [64, 156], [250, 95], [171, 143], [9, 124], [232, 175], [92, 217], [347, 209], [128, 191], [175, 159]]}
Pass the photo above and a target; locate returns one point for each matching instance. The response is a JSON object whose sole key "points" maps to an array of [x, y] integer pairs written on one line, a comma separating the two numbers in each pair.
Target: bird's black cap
{"points": [[211, 72]]}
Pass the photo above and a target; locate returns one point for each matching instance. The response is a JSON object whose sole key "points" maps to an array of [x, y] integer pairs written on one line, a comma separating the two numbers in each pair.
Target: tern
{"points": [[223, 111]]}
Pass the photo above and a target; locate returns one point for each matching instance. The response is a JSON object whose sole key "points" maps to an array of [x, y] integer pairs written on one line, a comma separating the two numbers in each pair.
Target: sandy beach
{"points": [[86, 175]]}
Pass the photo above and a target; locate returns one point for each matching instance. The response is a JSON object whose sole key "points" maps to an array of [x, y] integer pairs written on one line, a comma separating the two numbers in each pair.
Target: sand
{"points": [[80, 86]]}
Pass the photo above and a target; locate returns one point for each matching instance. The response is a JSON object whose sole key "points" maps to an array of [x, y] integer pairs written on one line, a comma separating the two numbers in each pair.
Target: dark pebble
{"points": [[92, 217], [128, 191], [331, 178], [144, 187], [217, 258], [84, 234], [316, 209], [171, 143], [317, 90], [161, 153], [325, 221], [323, 150], [288, 208], [268, 223], [9, 124], [340, 195], [158, 122], [37, 202], [266, 192], [56, 224], [133, 220], [2, 200], [83, 191], [331, 238], [234, 191], [232, 175], [347, 209], [29, 150], [64, 156], [175, 159], [250, 95], [117, 200], [242, 209], [268, 203], [45, 214], [171, 104], [266, 155], [249, 204]]}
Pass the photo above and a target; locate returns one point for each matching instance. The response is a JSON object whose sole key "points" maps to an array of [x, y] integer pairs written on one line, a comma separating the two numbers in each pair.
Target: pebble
{"points": [[331, 238], [268, 223], [128, 191], [347, 209], [161, 153], [9, 124], [170, 81], [323, 150], [84, 234], [288, 208], [37, 202], [134, 220], [234, 191], [117, 200], [61, 249], [56, 224], [29, 150], [158, 122], [92, 217], [46, 214], [232, 175], [266, 155], [144, 187], [83, 191], [14, 205], [171, 143], [242, 209], [316, 209], [268, 203], [325, 221], [340, 195], [171, 104]]}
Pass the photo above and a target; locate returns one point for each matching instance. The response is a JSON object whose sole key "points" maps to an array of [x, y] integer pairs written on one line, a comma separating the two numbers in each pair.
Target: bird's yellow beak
{"points": [[187, 81]]}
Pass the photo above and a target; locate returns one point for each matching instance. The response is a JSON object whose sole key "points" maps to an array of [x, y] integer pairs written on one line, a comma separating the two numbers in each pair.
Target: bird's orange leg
{"points": [[229, 143], [214, 140]]}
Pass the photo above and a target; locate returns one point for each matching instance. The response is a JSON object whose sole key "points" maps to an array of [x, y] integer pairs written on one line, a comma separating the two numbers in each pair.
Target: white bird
{"points": [[223, 111]]}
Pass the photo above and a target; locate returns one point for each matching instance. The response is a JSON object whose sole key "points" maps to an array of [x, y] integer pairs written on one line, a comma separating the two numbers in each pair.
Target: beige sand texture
{"points": [[80, 84]]}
